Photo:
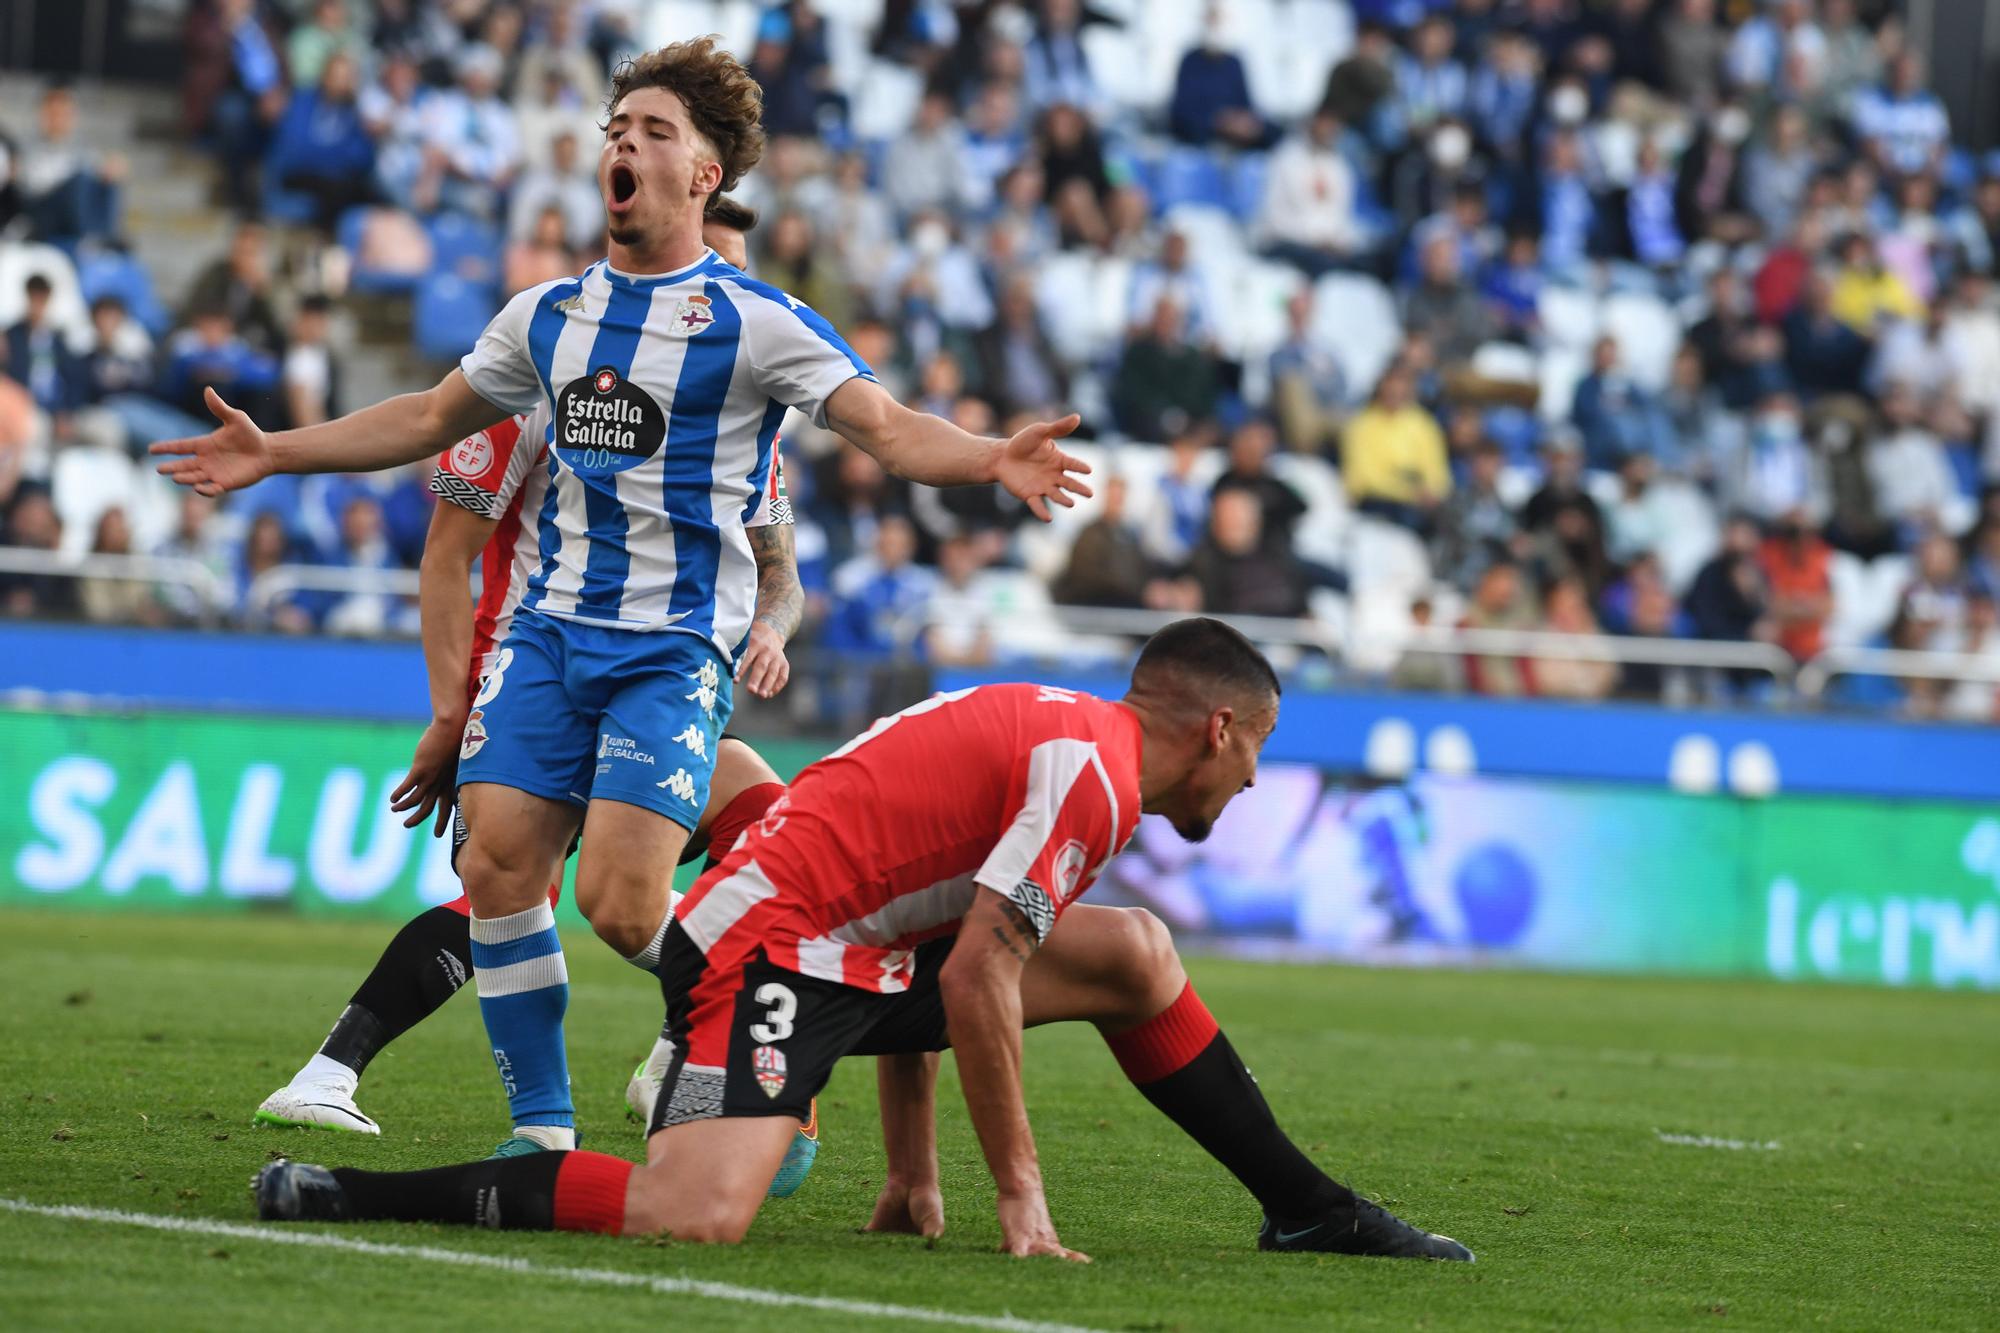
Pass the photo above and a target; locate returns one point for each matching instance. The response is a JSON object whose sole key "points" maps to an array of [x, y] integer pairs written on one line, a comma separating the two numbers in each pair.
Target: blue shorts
{"points": [[575, 713]]}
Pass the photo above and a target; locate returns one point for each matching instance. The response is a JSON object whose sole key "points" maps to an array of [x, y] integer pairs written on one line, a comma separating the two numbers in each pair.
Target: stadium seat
{"points": [[1070, 322], [1321, 535], [1563, 368], [885, 102], [450, 312], [1569, 316], [19, 260], [1693, 532], [1510, 362], [675, 20], [84, 481], [1648, 334], [1378, 625], [1248, 303], [368, 277], [1354, 317], [1118, 60], [1192, 176], [1382, 555], [1852, 585], [465, 246], [113, 273]]}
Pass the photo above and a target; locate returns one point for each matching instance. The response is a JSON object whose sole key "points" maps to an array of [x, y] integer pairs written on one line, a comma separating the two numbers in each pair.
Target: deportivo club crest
{"points": [[691, 316], [769, 1062]]}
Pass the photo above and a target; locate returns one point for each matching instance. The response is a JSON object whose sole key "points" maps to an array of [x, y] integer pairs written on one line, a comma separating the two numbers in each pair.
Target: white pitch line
{"points": [[601, 1277], [1710, 1141]]}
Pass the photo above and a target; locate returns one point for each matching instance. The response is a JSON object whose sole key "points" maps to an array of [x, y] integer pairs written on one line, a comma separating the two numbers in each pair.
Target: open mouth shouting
{"points": [[621, 189]]}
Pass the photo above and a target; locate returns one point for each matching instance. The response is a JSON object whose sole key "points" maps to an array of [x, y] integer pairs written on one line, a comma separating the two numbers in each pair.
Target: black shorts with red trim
{"points": [[751, 1038]]}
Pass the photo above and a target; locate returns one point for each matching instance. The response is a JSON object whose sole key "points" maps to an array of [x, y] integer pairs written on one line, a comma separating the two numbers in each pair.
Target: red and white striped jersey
{"points": [[1023, 789], [502, 473]]}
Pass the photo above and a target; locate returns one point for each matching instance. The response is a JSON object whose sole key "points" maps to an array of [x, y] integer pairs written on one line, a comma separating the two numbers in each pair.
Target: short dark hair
{"points": [[38, 285], [1207, 652], [728, 211], [723, 102]]}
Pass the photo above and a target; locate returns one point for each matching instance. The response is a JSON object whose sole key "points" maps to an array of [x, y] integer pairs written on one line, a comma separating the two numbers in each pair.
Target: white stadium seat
{"points": [[1648, 334], [1354, 317], [1569, 316]]}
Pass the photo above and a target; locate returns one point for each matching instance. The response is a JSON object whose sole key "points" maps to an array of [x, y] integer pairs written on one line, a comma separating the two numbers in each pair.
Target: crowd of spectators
{"points": [[1641, 317]]}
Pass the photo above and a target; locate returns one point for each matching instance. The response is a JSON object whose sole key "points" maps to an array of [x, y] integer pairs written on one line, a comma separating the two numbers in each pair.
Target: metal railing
{"points": [[1809, 680], [1902, 663], [284, 580], [210, 589]]}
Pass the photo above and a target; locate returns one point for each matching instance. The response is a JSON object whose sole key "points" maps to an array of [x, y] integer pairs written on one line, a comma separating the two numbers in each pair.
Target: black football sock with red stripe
{"points": [[1180, 1061], [430, 958], [544, 1191]]}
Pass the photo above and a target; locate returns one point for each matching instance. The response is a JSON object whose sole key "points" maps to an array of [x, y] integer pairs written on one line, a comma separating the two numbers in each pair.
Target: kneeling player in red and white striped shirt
{"points": [[897, 899]]}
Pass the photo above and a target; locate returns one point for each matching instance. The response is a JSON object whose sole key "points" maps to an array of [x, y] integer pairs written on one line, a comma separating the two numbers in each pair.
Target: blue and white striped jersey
{"points": [[665, 393]]}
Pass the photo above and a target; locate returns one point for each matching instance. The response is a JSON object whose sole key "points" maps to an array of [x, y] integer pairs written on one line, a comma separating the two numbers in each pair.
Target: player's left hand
{"points": [[433, 773], [909, 1210], [1038, 473], [763, 668]]}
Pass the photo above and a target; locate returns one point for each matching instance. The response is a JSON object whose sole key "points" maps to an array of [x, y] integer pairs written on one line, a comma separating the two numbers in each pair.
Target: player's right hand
{"points": [[433, 774], [234, 455], [1025, 1229], [909, 1210]]}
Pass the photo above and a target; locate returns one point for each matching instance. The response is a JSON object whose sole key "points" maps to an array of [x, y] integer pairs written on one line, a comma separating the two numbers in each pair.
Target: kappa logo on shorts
{"points": [[706, 682], [769, 1064], [697, 743], [680, 784], [474, 739]]}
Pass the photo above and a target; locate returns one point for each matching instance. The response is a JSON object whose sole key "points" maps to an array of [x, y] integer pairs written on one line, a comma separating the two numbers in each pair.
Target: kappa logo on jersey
{"points": [[606, 423], [697, 743], [472, 457], [680, 784], [769, 1062], [691, 316], [1070, 863], [705, 683], [474, 739]]}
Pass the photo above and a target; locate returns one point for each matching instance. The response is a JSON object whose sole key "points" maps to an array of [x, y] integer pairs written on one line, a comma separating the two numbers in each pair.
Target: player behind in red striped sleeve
{"points": [[874, 910]]}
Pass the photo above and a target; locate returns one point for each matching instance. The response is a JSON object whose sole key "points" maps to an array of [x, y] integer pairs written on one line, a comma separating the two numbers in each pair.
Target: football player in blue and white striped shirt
{"points": [[666, 373]]}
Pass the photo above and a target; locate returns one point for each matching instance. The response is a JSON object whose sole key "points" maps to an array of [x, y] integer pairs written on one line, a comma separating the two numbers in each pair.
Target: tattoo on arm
{"points": [[1020, 937], [781, 602]]}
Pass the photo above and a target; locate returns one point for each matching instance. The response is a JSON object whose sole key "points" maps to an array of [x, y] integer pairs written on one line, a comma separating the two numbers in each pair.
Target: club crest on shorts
{"points": [[769, 1064], [475, 735]]}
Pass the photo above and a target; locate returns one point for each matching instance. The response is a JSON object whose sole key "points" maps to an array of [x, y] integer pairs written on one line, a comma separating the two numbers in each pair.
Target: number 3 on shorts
{"points": [[777, 1024], [490, 687]]}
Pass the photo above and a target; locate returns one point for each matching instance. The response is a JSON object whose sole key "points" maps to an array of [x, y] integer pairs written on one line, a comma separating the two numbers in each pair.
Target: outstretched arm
{"points": [[917, 446], [402, 429], [981, 986]]}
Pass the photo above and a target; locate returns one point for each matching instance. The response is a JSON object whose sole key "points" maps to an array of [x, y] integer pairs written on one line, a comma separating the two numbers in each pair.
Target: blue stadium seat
{"points": [[112, 273], [450, 313], [288, 207], [1191, 176], [465, 246], [1247, 178], [368, 281]]}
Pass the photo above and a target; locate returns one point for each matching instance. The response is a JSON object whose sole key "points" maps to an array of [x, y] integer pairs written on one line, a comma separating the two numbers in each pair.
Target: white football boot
{"points": [[318, 1097]]}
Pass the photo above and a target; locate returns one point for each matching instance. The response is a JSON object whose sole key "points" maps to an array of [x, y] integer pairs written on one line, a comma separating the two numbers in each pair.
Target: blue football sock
{"points": [[523, 986]]}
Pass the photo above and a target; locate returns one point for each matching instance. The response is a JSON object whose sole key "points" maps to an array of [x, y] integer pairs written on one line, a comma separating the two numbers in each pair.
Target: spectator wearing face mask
{"points": [[1776, 473]]}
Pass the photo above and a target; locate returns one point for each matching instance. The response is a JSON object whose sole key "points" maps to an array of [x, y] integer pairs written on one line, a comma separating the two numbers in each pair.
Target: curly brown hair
{"points": [[721, 98]]}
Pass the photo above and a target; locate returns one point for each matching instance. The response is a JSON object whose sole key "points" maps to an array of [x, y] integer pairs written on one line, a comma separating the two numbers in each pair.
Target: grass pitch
{"points": [[1575, 1132]]}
